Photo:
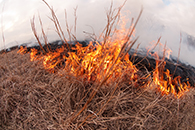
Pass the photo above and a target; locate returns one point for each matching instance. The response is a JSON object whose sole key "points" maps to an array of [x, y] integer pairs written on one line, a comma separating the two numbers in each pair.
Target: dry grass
{"points": [[33, 98]]}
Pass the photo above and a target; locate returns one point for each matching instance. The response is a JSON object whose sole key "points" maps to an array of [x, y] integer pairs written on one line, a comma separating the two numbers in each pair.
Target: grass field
{"points": [[33, 98], [96, 87]]}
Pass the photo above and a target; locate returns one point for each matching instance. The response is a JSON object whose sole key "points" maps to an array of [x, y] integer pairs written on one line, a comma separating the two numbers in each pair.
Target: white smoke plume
{"points": [[166, 18]]}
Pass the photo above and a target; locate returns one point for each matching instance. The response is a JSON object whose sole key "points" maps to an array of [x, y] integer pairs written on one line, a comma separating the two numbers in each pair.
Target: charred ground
{"points": [[142, 60]]}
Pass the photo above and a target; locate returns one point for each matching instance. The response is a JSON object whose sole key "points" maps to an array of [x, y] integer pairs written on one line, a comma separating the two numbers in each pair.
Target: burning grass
{"points": [[33, 98], [92, 87]]}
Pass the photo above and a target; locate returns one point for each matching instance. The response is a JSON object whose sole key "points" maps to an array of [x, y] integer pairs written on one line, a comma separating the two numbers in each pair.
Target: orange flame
{"points": [[22, 50], [165, 81], [94, 61]]}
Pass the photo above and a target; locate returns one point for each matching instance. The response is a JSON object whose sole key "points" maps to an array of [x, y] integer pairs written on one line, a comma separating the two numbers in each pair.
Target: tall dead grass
{"points": [[33, 98]]}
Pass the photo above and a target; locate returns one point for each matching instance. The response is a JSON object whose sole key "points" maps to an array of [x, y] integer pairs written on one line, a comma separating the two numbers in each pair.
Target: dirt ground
{"points": [[33, 98]]}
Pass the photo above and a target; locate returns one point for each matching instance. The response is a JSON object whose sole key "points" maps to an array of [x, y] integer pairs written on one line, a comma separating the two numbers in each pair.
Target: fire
{"points": [[96, 60], [165, 81], [22, 50]]}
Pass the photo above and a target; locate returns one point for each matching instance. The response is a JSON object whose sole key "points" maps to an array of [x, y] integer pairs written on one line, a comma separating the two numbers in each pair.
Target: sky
{"points": [[166, 18], [166, 2]]}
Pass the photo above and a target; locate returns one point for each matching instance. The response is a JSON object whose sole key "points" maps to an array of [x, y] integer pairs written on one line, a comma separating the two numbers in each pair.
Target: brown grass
{"points": [[33, 98]]}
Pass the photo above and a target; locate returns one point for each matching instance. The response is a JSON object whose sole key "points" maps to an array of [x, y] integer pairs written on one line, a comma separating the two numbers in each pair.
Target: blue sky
{"points": [[166, 18], [167, 2]]}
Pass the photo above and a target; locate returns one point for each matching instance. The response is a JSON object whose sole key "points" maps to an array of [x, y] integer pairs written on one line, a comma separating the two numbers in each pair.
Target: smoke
{"points": [[165, 18], [171, 19]]}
